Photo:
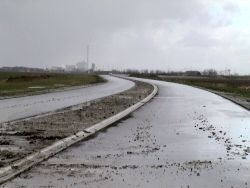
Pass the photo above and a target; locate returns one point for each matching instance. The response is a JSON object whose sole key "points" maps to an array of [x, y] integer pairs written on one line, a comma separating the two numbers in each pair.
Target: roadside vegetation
{"points": [[17, 83], [237, 85]]}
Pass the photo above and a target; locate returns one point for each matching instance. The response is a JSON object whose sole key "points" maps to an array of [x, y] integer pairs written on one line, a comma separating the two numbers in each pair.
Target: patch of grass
{"points": [[235, 85], [12, 84], [238, 85]]}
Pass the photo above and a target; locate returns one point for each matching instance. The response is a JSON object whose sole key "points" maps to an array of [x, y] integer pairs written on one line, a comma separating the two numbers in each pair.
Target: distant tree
{"points": [[160, 72], [210, 72], [152, 72]]}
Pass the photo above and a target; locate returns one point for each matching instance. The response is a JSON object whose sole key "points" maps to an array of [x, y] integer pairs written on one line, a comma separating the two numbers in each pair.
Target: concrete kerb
{"points": [[11, 171]]}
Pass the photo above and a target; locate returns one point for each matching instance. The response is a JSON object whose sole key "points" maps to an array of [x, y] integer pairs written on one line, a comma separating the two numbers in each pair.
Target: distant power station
{"points": [[81, 66]]}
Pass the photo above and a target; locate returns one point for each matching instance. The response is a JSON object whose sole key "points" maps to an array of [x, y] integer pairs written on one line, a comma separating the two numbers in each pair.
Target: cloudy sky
{"points": [[135, 34]]}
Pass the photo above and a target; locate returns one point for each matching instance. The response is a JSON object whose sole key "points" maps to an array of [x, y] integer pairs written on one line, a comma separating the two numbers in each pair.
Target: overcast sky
{"points": [[135, 34]]}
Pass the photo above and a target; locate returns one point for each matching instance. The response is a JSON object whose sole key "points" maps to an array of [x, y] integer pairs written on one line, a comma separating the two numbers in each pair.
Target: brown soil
{"points": [[24, 137]]}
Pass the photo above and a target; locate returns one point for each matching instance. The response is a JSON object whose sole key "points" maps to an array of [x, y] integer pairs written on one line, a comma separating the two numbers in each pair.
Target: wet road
{"points": [[16, 108], [185, 137]]}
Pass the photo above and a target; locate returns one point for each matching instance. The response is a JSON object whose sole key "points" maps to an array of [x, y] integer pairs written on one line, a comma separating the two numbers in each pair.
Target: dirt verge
{"points": [[19, 139]]}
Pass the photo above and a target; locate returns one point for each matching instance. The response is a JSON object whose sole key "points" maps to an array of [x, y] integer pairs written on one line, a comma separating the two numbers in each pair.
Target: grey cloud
{"points": [[127, 34], [231, 7], [194, 39]]}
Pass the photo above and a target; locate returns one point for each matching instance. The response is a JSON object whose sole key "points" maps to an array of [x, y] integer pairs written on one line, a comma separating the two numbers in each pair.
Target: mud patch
{"points": [[233, 150], [33, 134]]}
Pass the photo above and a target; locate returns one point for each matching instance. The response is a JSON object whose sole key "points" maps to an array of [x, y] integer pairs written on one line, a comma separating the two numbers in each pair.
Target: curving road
{"points": [[16, 108], [185, 137]]}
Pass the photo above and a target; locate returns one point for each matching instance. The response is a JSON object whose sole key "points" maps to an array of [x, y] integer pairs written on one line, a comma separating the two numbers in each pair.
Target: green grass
{"points": [[237, 85], [12, 84]]}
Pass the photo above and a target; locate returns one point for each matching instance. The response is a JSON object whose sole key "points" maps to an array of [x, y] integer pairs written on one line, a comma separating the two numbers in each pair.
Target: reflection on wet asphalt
{"points": [[185, 137], [16, 108]]}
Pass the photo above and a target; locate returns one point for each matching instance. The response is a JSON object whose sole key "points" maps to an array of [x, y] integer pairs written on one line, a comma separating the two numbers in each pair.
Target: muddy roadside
{"points": [[21, 138]]}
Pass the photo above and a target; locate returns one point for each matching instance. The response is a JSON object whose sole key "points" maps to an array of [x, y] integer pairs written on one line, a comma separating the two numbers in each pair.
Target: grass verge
{"points": [[14, 84], [236, 85]]}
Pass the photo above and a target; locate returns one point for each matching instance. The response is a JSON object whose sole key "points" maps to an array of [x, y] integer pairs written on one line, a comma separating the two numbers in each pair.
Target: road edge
{"points": [[227, 97], [219, 94], [11, 171]]}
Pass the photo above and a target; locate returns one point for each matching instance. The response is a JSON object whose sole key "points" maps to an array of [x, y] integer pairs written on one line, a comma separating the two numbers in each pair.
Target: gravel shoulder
{"points": [[21, 138]]}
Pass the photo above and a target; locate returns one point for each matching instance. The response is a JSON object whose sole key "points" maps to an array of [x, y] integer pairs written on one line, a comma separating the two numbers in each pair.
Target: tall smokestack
{"points": [[88, 49]]}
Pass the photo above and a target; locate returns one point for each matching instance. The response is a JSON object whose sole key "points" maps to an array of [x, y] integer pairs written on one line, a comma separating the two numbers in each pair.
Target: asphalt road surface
{"points": [[16, 108], [184, 137]]}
